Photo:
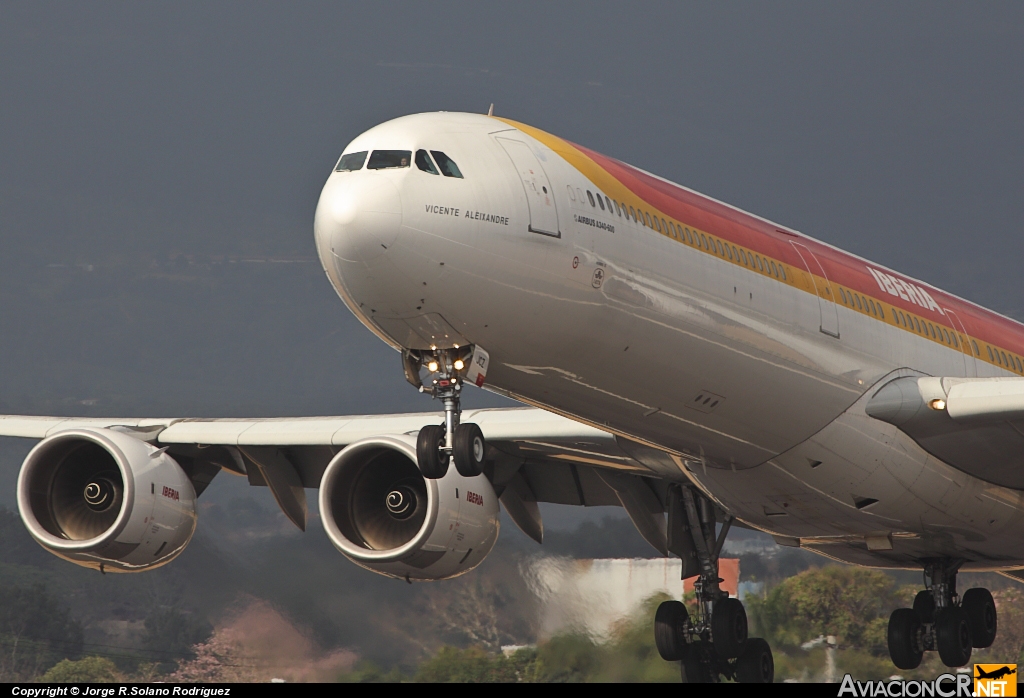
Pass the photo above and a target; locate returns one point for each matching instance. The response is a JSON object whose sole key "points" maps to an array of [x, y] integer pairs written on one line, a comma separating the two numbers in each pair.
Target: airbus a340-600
{"points": [[693, 363]]}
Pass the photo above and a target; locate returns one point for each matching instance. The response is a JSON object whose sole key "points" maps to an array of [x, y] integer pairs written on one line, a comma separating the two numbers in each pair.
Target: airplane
{"points": [[695, 364], [995, 673]]}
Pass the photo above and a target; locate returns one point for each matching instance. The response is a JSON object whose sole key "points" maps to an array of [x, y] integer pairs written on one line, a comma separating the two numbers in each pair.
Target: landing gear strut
{"points": [[713, 643], [942, 620], [438, 445]]}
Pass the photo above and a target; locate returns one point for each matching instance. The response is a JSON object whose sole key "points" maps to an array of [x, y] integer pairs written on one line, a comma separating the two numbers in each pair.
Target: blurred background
{"points": [[159, 168]]}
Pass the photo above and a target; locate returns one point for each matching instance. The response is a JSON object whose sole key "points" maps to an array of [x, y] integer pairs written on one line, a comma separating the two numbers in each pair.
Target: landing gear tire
{"points": [[953, 636], [670, 622], [432, 461], [980, 608], [692, 669], [924, 606], [469, 450], [729, 628], [904, 624], [756, 664]]}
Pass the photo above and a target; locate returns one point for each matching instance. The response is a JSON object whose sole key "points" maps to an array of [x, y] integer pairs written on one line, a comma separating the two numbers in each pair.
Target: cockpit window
{"points": [[446, 164], [387, 159], [424, 162], [351, 162]]}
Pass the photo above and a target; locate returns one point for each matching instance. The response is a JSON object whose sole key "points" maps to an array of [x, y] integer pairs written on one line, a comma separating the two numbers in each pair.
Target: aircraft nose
{"points": [[357, 218]]}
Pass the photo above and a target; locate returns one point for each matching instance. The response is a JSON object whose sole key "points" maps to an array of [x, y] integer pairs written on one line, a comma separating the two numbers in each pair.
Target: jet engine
{"points": [[102, 498], [382, 514]]}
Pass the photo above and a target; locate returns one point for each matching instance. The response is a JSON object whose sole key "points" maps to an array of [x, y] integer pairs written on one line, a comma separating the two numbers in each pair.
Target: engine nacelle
{"points": [[101, 498], [383, 515]]}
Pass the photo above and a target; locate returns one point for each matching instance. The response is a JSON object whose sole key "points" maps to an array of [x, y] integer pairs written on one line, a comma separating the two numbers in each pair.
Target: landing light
{"points": [[937, 404], [432, 366], [459, 365]]}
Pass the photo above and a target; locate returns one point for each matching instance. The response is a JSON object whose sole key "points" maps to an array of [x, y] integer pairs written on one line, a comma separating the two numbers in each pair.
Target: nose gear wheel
{"points": [[438, 445]]}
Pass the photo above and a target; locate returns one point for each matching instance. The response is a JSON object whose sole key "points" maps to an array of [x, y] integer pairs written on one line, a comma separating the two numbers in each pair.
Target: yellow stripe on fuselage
{"points": [[791, 276]]}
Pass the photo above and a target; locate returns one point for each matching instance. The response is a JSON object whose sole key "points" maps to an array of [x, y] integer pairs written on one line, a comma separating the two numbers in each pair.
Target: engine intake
{"points": [[102, 497], [383, 515]]}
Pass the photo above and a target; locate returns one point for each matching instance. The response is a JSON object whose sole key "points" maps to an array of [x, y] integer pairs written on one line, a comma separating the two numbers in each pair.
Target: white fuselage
{"points": [[735, 373]]}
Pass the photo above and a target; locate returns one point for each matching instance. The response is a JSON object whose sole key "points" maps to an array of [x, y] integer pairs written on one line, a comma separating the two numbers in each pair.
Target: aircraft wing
{"points": [[534, 456], [974, 424]]}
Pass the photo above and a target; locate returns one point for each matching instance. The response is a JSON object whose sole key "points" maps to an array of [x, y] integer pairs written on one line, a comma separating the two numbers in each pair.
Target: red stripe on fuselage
{"points": [[842, 268]]}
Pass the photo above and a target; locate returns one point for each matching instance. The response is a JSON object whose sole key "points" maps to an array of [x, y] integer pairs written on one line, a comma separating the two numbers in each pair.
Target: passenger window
{"points": [[618, 208], [647, 217], [703, 241], [842, 294], [945, 335], [974, 344], [881, 311], [657, 225], [632, 214], [664, 226], [774, 269], [672, 228], [609, 202], [783, 270], [600, 202], [857, 298], [760, 265], [956, 341], [590, 198], [1019, 367], [579, 194], [873, 310], [572, 197], [389, 159], [729, 251], [424, 163], [351, 162], [919, 328], [743, 254], [990, 357], [446, 164], [1004, 359]]}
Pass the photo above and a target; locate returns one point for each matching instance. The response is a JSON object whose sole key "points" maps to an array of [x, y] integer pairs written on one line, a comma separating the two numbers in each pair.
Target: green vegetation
{"points": [[628, 655], [851, 603], [88, 670]]}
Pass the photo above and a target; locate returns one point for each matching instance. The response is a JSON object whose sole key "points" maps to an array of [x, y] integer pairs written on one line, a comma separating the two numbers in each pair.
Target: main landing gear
{"points": [[940, 620], [438, 444], [713, 643]]}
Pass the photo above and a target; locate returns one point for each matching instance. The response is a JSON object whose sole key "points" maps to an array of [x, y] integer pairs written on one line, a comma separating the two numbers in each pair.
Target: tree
{"points": [[851, 603], [88, 670], [472, 665]]}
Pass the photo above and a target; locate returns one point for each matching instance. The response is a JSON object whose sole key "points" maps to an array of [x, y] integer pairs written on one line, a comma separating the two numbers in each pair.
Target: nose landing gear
{"points": [[438, 445], [938, 622], [713, 644]]}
